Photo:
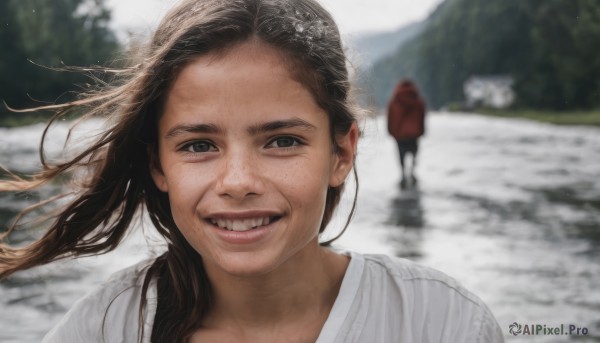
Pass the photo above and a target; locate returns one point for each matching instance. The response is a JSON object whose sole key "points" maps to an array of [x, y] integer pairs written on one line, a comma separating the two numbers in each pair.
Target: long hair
{"points": [[119, 182]]}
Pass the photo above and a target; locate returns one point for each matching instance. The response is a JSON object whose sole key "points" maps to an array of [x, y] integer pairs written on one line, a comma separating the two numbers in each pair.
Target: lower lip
{"points": [[245, 237]]}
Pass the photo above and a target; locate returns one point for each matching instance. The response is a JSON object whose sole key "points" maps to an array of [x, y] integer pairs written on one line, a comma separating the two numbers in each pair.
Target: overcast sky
{"points": [[352, 16]]}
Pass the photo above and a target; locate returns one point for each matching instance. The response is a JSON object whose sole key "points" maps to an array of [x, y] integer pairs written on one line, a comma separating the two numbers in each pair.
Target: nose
{"points": [[239, 176]]}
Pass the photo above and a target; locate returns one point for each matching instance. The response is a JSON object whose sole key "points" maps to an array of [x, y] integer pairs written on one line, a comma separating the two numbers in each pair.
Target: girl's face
{"points": [[246, 159]]}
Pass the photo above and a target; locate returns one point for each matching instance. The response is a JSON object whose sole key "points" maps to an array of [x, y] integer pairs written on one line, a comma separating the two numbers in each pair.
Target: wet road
{"points": [[511, 208]]}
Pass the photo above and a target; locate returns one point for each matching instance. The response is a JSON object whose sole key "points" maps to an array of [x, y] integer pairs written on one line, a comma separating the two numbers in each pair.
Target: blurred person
{"points": [[406, 123]]}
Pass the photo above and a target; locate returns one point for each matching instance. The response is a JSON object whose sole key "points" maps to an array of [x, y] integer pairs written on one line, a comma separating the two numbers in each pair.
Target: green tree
{"points": [[463, 38], [36, 33], [566, 68], [548, 46]]}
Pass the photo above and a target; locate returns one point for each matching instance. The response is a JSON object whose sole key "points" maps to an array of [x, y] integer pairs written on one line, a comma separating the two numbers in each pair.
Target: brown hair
{"points": [[120, 182]]}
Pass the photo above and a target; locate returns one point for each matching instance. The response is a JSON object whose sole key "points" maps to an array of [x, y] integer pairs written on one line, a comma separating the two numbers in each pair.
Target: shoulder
{"points": [[400, 269], [401, 275], [428, 300], [108, 313]]}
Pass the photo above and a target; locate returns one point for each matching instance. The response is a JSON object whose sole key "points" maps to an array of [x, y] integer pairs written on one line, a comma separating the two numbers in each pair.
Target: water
{"points": [[511, 208]]}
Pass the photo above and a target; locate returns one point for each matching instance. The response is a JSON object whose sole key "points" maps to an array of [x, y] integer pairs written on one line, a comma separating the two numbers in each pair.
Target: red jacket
{"points": [[406, 112]]}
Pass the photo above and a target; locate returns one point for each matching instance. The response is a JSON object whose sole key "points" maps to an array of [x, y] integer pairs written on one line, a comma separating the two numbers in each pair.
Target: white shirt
{"points": [[381, 300]]}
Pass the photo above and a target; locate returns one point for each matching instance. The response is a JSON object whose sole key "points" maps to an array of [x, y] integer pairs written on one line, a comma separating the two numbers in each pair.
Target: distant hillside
{"points": [[374, 46], [549, 47]]}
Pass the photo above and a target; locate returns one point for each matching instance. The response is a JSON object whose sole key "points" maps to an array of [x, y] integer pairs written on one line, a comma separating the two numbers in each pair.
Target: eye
{"points": [[199, 147], [284, 142]]}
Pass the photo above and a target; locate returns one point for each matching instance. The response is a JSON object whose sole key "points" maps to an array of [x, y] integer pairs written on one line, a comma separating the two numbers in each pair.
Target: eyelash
{"points": [[186, 147], [296, 142]]}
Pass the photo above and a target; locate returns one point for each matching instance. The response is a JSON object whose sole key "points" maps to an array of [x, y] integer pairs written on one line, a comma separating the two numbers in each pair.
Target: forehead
{"points": [[250, 69], [247, 60], [252, 52], [245, 81]]}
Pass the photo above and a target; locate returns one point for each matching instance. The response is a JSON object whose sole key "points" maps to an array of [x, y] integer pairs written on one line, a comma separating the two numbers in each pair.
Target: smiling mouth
{"points": [[241, 225]]}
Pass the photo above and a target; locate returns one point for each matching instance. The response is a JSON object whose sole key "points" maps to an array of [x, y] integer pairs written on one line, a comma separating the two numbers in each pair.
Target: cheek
{"points": [[304, 184], [180, 186], [186, 187], [184, 200]]}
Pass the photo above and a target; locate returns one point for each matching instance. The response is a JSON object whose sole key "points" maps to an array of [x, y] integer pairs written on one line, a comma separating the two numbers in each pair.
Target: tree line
{"points": [[549, 47], [37, 36]]}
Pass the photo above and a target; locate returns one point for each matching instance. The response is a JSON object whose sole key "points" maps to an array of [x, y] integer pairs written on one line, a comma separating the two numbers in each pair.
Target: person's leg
{"points": [[402, 153], [415, 152]]}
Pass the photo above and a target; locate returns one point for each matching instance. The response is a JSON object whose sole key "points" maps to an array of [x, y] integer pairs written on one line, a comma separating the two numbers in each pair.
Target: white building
{"points": [[493, 91]]}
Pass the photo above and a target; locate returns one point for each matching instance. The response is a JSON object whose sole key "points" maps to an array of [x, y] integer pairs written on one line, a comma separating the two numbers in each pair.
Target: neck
{"points": [[273, 298]]}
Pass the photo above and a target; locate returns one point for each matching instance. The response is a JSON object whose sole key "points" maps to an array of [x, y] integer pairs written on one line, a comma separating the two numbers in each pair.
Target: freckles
{"points": [[286, 176], [187, 182]]}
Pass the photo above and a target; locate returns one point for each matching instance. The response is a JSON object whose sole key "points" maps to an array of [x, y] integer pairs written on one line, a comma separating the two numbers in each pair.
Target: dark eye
{"points": [[199, 147], [284, 142]]}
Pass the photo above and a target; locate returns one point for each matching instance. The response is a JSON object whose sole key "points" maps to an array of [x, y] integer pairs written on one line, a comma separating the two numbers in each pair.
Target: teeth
{"points": [[240, 224]]}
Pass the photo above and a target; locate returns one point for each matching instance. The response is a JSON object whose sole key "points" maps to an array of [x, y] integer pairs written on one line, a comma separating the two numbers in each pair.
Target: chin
{"points": [[247, 264]]}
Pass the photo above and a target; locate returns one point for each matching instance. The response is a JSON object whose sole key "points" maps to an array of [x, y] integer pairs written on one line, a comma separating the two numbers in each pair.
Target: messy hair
{"points": [[119, 183]]}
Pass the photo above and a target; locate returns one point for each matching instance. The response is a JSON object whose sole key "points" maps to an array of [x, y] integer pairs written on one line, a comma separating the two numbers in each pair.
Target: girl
{"points": [[236, 135]]}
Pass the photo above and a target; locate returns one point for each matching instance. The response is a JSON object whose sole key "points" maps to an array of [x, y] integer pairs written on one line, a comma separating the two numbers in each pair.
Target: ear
{"points": [[344, 158], [157, 173]]}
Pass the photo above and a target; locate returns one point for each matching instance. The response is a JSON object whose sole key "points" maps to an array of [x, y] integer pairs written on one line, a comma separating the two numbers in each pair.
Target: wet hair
{"points": [[119, 183]]}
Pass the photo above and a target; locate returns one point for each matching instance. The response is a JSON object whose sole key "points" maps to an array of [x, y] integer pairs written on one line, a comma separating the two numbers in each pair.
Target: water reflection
{"points": [[583, 203], [406, 209], [406, 216]]}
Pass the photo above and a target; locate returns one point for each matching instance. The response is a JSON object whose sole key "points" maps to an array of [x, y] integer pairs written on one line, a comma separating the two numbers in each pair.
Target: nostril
{"points": [[240, 187]]}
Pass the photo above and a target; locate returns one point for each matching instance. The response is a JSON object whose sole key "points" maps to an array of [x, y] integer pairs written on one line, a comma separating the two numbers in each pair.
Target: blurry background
{"points": [[508, 200]]}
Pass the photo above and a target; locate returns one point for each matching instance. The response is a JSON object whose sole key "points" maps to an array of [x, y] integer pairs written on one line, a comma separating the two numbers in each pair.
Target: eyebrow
{"points": [[253, 130], [193, 128], [281, 124]]}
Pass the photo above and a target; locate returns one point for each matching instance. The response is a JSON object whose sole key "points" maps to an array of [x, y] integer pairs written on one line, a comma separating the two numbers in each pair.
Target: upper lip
{"points": [[243, 214]]}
